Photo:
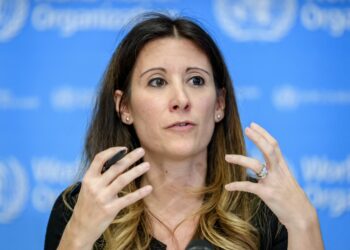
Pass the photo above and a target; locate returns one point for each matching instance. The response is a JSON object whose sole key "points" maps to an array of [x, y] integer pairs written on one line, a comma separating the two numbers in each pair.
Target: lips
{"points": [[181, 124]]}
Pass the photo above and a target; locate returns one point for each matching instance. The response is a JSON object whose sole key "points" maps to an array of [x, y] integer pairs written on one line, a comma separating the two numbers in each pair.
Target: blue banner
{"points": [[289, 59]]}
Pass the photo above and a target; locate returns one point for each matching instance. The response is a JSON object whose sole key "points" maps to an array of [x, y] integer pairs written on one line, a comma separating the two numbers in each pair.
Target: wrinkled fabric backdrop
{"points": [[289, 59]]}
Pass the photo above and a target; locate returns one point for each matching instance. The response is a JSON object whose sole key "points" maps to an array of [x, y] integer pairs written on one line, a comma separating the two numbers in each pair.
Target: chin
{"points": [[177, 149], [185, 151]]}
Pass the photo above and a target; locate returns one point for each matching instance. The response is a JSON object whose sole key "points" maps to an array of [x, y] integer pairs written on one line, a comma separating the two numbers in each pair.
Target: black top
{"points": [[272, 235]]}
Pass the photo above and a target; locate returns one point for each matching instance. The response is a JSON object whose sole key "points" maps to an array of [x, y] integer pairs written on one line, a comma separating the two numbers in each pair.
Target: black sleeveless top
{"points": [[273, 235]]}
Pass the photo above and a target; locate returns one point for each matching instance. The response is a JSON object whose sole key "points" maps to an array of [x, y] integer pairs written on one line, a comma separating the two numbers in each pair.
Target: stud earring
{"points": [[218, 117], [127, 119]]}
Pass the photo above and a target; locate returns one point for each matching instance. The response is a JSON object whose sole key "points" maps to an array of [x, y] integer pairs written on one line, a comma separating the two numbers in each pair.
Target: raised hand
{"points": [[278, 189], [98, 202]]}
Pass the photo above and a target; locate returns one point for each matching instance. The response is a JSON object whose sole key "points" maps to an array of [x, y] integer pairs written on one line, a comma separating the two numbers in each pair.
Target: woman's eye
{"points": [[197, 81], [156, 82]]}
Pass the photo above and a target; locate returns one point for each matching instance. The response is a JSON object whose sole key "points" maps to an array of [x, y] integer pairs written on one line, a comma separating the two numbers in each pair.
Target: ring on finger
{"points": [[263, 172]]}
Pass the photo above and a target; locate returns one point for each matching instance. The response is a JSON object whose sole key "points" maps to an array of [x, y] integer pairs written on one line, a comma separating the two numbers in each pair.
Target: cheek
{"points": [[145, 111], [207, 106], [206, 111]]}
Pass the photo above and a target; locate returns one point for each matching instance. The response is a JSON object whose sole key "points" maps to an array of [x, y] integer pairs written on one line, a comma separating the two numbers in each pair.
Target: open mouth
{"points": [[182, 125]]}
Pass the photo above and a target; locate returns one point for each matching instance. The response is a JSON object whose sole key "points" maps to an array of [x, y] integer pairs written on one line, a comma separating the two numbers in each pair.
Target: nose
{"points": [[180, 100]]}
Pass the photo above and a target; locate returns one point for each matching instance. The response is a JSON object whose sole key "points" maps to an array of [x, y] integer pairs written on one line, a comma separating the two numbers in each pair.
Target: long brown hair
{"points": [[225, 217]]}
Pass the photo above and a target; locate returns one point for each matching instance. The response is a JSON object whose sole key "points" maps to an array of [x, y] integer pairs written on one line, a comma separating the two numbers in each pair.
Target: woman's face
{"points": [[174, 104]]}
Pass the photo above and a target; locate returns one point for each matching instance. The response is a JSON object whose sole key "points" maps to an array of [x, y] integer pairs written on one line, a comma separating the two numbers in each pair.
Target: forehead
{"points": [[172, 52]]}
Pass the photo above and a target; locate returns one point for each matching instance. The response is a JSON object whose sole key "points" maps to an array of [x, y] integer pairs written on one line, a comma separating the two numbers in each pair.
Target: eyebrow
{"points": [[191, 68], [151, 69], [164, 70]]}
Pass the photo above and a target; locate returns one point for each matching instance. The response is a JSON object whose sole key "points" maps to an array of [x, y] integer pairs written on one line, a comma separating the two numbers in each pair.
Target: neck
{"points": [[172, 181]]}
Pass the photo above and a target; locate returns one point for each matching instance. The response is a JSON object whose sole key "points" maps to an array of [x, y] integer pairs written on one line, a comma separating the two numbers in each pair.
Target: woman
{"points": [[167, 97]]}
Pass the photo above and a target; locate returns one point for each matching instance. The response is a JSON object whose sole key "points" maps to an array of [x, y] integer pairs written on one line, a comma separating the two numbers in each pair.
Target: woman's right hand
{"points": [[98, 202]]}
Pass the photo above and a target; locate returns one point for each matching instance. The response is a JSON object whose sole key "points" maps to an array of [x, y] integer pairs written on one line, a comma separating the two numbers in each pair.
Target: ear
{"points": [[122, 110], [220, 105]]}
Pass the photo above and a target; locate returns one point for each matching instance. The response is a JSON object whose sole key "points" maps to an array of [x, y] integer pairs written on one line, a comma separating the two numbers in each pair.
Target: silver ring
{"points": [[263, 172]]}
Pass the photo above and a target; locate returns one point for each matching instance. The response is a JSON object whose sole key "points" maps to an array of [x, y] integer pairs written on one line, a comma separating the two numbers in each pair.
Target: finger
{"points": [[264, 146], [245, 186], [121, 181], [244, 161], [101, 158], [120, 166], [268, 137], [131, 198]]}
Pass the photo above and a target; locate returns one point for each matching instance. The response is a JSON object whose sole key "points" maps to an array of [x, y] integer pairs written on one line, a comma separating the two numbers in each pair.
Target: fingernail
{"points": [[146, 166], [140, 150], [230, 187], [124, 150], [147, 188], [253, 124], [229, 157]]}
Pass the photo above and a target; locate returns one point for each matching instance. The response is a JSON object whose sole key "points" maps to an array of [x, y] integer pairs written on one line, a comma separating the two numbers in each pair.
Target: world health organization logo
{"points": [[13, 190], [13, 14], [256, 20]]}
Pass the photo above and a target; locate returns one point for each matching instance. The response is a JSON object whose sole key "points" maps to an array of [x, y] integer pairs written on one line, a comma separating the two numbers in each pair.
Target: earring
{"points": [[218, 117], [127, 119]]}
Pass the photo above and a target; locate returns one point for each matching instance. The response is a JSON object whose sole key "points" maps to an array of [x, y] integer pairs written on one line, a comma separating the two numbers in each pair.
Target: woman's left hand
{"points": [[279, 190]]}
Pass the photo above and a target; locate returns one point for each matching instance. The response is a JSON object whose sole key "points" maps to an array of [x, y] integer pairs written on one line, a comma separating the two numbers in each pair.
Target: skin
{"points": [[170, 82], [173, 82], [171, 78], [280, 191]]}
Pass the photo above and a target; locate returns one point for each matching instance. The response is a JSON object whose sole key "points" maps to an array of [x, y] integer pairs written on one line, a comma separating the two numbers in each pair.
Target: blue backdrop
{"points": [[290, 61]]}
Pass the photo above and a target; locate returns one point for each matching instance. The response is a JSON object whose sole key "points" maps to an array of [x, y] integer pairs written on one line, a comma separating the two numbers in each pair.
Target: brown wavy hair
{"points": [[226, 218]]}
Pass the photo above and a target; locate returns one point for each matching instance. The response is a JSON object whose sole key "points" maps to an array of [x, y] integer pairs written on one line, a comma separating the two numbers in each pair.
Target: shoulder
{"points": [[65, 202], [60, 215]]}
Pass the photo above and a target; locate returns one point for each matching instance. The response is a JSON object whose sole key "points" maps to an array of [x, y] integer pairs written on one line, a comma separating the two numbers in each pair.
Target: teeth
{"points": [[182, 124]]}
